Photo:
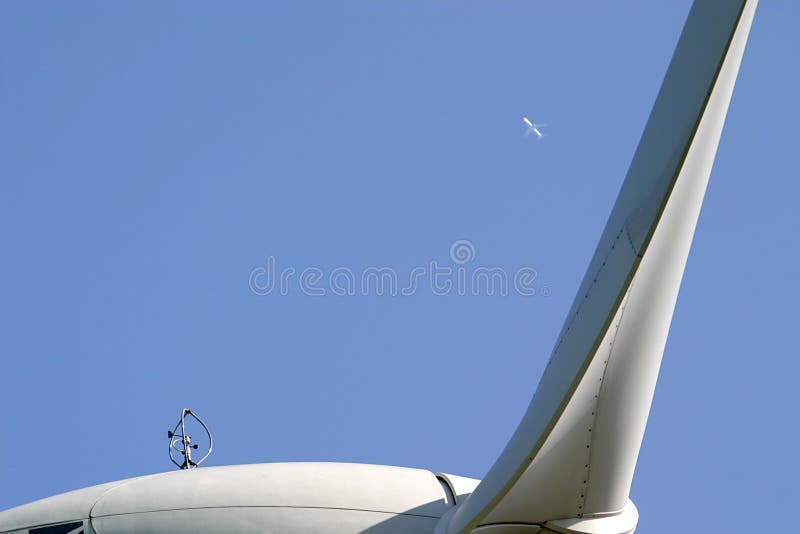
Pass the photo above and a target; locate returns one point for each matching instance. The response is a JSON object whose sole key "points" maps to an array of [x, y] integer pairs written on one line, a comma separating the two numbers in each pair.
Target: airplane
{"points": [[533, 128], [569, 465]]}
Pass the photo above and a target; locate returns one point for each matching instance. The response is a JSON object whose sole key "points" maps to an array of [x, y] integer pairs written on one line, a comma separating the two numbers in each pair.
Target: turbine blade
{"points": [[576, 447]]}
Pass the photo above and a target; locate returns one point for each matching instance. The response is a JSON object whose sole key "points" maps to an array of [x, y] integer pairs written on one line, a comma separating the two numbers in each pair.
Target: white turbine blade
{"points": [[569, 464], [526, 121]]}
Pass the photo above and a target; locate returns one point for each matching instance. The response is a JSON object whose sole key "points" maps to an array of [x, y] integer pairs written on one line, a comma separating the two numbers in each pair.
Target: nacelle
{"points": [[279, 497]]}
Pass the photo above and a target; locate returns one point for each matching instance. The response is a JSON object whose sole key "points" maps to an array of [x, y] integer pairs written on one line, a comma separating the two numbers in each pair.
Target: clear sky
{"points": [[153, 156]]}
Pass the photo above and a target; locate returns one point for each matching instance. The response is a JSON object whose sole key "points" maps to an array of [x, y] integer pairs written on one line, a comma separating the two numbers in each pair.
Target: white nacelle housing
{"points": [[280, 497]]}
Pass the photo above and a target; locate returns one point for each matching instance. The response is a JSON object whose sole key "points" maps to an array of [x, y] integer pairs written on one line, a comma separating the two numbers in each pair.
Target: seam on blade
{"points": [[612, 343]]}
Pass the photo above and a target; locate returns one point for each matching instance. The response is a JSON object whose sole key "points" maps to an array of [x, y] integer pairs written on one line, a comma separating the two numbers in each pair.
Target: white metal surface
{"points": [[311, 485], [623, 522], [280, 497], [70, 506], [574, 452]]}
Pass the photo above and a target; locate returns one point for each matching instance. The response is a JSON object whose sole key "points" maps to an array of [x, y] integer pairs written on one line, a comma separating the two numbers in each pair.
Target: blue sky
{"points": [[152, 155]]}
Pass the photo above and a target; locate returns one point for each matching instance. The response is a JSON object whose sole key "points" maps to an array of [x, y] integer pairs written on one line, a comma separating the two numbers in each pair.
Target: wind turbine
{"points": [[568, 467]]}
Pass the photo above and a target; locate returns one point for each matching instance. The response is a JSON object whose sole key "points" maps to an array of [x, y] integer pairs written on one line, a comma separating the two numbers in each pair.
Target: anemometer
{"points": [[180, 442]]}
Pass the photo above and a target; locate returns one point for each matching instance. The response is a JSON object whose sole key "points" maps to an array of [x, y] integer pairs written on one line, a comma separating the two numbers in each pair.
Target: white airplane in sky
{"points": [[568, 467], [533, 128]]}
